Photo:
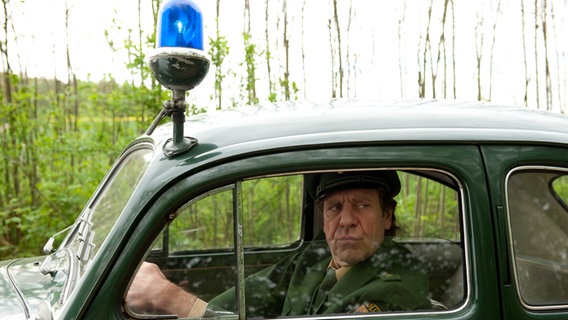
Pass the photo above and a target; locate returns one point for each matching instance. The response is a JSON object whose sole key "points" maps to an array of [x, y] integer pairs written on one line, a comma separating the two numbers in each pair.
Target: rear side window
{"points": [[538, 219]]}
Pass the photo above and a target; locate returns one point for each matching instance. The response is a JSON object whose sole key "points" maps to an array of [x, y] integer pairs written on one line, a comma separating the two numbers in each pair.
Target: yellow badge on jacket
{"points": [[371, 307]]}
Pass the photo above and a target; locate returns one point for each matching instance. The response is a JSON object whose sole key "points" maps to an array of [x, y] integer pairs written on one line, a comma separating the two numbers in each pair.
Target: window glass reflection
{"points": [[539, 225], [403, 251]]}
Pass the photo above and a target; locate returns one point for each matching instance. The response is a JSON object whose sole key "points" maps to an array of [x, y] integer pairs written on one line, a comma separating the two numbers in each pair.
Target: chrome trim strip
{"points": [[72, 277], [20, 294]]}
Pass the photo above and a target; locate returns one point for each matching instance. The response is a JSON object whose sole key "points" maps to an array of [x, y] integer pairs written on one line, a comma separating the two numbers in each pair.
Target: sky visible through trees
{"points": [[494, 50]]}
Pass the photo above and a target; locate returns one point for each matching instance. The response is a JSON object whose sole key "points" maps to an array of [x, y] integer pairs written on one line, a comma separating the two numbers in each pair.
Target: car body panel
{"points": [[12, 305], [365, 155], [31, 288], [497, 168]]}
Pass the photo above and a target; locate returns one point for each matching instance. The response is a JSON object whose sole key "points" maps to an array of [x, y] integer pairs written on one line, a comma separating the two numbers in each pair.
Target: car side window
{"points": [[203, 223], [272, 210], [429, 216], [538, 219], [197, 250]]}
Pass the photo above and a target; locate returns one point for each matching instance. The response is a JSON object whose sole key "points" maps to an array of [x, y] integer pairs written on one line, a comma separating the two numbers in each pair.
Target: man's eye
{"points": [[334, 208], [363, 205]]}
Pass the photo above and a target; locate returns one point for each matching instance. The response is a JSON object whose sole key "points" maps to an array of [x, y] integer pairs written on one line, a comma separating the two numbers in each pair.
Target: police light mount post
{"points": [[179, 64]]}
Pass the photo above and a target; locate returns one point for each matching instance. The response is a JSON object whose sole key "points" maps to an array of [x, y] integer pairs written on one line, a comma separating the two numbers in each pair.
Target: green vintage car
{"points": [[483, 206], [228, 206]]}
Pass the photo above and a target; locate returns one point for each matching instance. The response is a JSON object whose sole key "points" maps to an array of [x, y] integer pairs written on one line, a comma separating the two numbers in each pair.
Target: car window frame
{"points": [[448, 159], [238, 213], [163, 244]]}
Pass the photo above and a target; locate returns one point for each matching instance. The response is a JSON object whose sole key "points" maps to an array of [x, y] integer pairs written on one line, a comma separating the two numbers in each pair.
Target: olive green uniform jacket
{"points": [[391, 279]]}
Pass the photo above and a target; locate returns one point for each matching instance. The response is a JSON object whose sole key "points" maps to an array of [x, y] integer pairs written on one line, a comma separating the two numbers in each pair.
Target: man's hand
{"points": [[152, 292]]}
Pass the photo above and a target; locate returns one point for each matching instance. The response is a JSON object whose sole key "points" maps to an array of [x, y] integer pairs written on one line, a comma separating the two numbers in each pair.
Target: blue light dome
{"points": [[180, 24]]}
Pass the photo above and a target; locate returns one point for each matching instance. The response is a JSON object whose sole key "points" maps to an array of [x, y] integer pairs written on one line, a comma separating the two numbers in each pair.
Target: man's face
{"points": [[354, 224]]}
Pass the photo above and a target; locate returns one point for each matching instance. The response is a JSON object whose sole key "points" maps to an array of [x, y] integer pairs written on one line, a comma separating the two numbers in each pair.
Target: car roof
{"points": [[249, 131], [291, 124]]}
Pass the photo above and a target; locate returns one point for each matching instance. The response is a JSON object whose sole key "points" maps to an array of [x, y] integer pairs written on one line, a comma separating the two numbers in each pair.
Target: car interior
{"points": [[208, 272]]}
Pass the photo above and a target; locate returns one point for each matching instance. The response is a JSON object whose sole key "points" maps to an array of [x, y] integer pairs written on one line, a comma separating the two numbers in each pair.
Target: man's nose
{"points": [[347, 217]]}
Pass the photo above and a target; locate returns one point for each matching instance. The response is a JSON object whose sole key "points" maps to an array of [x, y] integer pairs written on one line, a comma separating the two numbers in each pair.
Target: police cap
{"points": [[334, 181]]}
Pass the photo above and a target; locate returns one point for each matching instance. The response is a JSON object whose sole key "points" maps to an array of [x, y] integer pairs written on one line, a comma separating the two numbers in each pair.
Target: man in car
{"points": [[358, 268]]}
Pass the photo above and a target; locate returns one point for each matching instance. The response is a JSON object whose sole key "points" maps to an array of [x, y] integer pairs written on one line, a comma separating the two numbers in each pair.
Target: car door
{"points": [[455, 246], [529, 200]]}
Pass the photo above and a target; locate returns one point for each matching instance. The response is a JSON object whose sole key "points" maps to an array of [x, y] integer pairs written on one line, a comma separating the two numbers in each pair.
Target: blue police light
{"points": [[179, 64], [180, 24]]}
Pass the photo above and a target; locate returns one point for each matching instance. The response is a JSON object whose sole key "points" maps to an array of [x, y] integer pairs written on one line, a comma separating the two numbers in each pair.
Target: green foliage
{"points": [[272, 97], [250, 64], [286, 85], [272, 210], [50, 166], [57, 146], [267, 203], [57, 142], [218, 51], [427, 209], [560, 186], [205, 224]]}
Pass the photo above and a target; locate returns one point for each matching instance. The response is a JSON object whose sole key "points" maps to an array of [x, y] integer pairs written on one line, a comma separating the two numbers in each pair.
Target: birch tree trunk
{"points": [[250, 52], [544, 19], [286, 82], [268, 51], [536, 54], [339, 55], [525, 65], [492, 54], [72, 93]]}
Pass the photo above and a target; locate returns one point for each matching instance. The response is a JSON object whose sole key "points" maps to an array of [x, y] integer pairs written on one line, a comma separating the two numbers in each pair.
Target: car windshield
{"points": [[100, 216]]}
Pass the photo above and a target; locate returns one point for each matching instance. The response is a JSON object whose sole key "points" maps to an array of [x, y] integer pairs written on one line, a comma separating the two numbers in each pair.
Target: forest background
{"points": [[66, 112]]}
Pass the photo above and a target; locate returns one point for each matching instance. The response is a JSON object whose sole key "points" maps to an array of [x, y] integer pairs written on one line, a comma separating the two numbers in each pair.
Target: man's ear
{"points": [[387, 215]]}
